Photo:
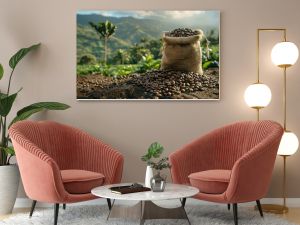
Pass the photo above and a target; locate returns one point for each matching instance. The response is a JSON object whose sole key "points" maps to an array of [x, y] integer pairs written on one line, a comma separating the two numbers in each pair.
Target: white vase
{"points": [[148, 176], [9, 183]]}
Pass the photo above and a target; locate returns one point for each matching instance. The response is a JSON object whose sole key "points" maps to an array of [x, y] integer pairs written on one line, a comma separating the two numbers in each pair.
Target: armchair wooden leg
{"points": [[259, 208], [32, 208], [183, 202], [235, 213], [108, 203], [56, 209], [228, 206], [64, 206]]}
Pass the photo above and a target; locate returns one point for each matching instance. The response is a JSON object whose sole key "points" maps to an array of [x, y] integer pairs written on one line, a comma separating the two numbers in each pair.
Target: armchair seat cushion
{"points": [[211, 181], [81, 181]]}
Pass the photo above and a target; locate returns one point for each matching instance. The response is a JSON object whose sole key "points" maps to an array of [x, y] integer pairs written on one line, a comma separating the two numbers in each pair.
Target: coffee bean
{"points": [[183, 32]]}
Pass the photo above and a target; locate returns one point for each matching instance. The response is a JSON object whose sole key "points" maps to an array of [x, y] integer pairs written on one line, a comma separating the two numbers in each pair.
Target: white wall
{"points": [[49, 74]]}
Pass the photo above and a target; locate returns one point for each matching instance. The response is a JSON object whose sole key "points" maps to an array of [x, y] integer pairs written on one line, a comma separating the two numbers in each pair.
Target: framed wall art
{"points": [[148, 55]]}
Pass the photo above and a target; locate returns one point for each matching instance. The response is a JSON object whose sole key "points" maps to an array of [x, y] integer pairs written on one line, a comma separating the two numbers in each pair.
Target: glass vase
{"points": [[158, 182]]}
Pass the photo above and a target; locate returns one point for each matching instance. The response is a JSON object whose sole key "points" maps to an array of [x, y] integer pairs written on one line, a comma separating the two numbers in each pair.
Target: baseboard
{"points": [[290, 202], [26, 203]]}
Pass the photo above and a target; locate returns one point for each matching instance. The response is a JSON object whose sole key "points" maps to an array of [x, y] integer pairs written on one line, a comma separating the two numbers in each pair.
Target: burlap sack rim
{"points": [[182, 40]]}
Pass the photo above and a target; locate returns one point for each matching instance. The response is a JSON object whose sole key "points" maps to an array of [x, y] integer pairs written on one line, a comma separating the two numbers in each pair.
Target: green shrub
{"points": [[88, 69], [148, 63], [213, 60], [210, 64], [87, 59]]}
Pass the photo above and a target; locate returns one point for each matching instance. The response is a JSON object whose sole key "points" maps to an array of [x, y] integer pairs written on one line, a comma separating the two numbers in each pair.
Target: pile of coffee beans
{"points": [[183, 32], [171, 84], [157, 84]]}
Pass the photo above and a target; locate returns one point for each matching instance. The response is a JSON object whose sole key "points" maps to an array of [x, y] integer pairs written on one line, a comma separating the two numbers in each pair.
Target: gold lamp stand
{"points": [[278, 209], [272, 208]]}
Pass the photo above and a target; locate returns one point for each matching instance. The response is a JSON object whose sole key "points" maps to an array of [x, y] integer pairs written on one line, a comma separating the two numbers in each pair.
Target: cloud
{"points": [[135, 14], [146, 14], [182, 14]]}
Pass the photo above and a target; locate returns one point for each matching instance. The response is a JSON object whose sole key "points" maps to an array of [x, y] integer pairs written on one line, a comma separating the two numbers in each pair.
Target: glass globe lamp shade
{"points": [[284, 54], [258, 95], [289, 144]]}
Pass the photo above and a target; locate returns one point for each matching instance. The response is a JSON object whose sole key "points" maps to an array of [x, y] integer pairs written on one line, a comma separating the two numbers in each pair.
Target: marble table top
{"points": [[172, 191]]}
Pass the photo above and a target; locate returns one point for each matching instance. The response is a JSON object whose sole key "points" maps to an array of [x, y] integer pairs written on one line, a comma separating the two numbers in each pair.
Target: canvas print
{"points": [[147, 55]]}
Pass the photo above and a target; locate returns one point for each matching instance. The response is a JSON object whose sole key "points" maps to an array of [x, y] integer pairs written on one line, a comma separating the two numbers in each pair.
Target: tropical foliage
{"points": [[141, 57], [129, 45], [154, 151], [6, 103], [210, 57], [87, 59], [105, 31], [160, 164], [147, 62]]}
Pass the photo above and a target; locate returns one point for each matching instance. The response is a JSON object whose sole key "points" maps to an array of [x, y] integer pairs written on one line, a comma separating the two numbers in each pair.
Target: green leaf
{"points": [[1, 71], [206, 64], [25, 115], [27, 111], [16, 58], [44, 105], [155, 150], [6, 103], [2, 95], [145, 158], [9, 150]]}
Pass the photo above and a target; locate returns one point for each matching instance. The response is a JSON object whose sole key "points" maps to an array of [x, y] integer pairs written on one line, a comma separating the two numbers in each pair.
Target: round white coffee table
{"points": [[145, 209]]}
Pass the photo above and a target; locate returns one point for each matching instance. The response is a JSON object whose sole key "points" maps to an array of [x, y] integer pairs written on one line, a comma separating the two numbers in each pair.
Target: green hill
{"points": [[130, 31]]}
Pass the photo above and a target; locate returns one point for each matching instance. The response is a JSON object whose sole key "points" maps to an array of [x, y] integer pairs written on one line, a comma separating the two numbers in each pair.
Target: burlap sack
{"points": [[182, 53]]}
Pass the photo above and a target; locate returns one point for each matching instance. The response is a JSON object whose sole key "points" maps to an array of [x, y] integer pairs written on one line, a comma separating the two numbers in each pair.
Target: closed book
{"points": [[128, 189]]}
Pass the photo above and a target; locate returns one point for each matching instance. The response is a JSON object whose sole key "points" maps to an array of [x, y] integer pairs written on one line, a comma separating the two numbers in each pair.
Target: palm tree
{"points": [[122, 56], [105, 30]]}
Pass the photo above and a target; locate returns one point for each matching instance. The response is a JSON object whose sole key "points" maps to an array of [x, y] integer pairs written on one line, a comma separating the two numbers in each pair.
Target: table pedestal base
{"points": [[147, 210]]}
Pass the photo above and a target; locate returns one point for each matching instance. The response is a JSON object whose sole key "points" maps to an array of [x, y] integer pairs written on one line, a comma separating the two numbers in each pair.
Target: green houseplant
{"points": [[9, 174], [154, 152]]}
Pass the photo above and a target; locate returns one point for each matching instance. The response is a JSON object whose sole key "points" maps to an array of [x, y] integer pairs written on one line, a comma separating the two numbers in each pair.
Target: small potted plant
{"points": [[156, 182]]}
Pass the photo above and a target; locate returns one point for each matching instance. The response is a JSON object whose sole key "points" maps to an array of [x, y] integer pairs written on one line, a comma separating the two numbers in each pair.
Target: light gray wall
{"points": [[49, 74]]}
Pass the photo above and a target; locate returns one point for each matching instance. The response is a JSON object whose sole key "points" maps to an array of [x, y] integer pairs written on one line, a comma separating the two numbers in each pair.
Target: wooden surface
{"points": [[153, 211], [131, 212]]}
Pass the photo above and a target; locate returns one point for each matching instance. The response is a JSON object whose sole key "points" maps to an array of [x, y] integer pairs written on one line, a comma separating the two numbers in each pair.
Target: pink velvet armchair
{"points": [[231, 165], [60, 164]]}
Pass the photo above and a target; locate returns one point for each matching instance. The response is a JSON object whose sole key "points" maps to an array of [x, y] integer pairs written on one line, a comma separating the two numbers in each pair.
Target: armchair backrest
{"points": [[54, 139], [233, 141], [39, 171], [223, 147]]}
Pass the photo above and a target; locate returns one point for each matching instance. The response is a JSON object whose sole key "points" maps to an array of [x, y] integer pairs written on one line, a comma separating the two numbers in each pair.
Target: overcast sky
{"points": [[192, 19], [150, 14]]}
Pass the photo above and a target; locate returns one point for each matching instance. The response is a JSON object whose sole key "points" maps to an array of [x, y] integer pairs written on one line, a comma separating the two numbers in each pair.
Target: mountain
{"points": [[129, 32]]}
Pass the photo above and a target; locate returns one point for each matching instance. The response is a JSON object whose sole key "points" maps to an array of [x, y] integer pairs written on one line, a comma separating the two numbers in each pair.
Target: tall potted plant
{"points": [[9, 173]]}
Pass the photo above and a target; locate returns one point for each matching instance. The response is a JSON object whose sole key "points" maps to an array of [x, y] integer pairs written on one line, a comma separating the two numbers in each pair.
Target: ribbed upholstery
{"points": [[247, 148], [44, 148]]}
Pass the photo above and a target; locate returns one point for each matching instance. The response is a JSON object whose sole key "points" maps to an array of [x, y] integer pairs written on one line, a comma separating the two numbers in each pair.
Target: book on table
{"points": [[129, 189]]}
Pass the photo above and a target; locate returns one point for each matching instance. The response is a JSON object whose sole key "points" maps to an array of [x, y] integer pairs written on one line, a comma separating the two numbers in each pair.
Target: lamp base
{"points": [[276, 209]]}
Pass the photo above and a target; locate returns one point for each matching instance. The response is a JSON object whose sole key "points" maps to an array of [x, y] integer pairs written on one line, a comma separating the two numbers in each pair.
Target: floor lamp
{"points": [[284, 55], [258, 95]]}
